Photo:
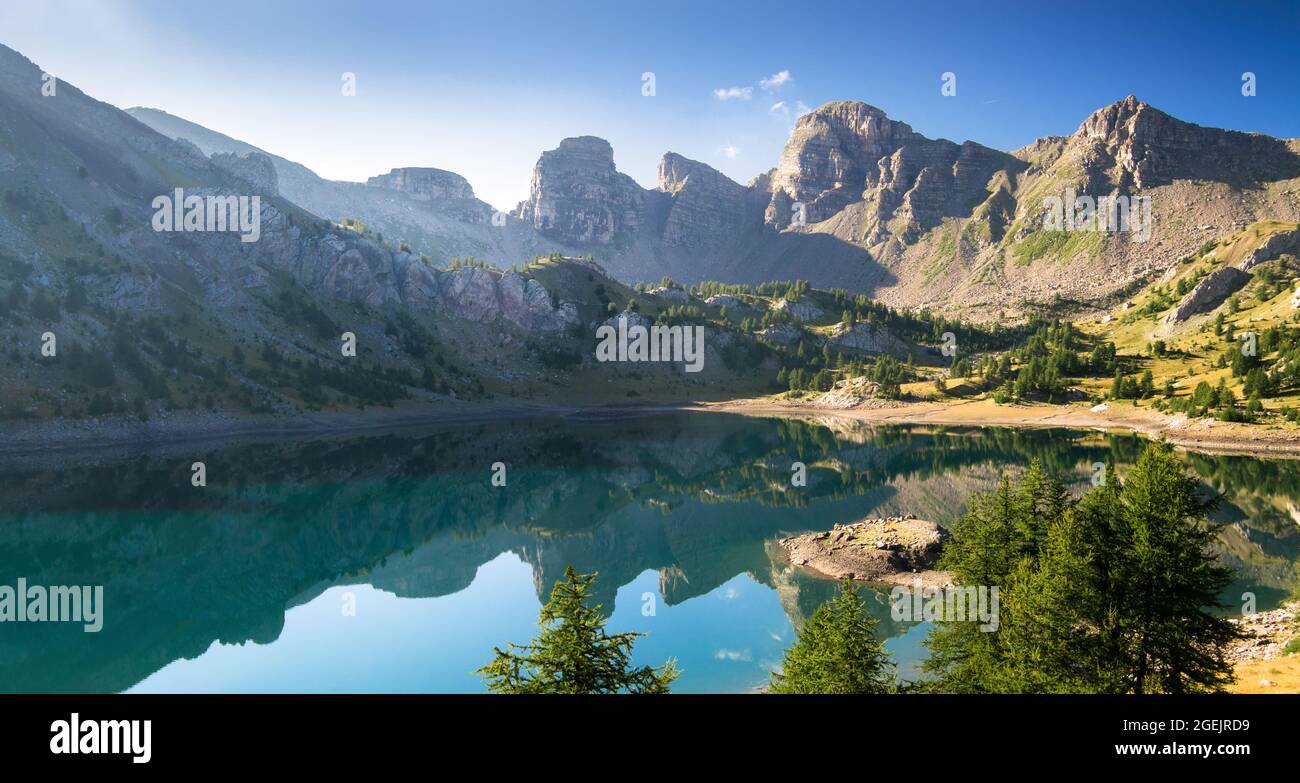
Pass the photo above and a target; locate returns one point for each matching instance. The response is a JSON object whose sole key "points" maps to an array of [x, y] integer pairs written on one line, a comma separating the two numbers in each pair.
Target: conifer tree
{"points": [[1113, 594], [837, 651], [573, 653], [1171, 581], [1001, 530]]}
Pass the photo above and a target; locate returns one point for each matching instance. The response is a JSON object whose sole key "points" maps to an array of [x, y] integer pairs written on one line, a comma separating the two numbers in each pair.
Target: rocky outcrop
{"points": [[423, 184], [785, 334], [705, 204], [630, 319], [254, 168], [723, 300], [855, 393], [483, 296], [829, 158], [671, 294], [445, 192], [1208, 294], [1286, 242], [866, 337], [891, 550], [578, 197], [344, 266], [800, 311]]}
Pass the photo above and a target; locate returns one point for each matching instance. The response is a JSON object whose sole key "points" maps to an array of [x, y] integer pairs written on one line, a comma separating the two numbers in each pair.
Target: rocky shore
{"points": [[1267, 634], [1261, 663], [889, 550]]}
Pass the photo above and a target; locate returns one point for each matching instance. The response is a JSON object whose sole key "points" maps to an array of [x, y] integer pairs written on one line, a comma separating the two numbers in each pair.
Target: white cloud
{"points": [[733, 655], [730, 150], [733, 93], [776, 80], [779, 106], [801, 108]]}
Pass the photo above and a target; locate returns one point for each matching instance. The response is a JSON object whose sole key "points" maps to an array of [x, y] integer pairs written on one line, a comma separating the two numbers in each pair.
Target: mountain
{"points": [[861, 201], [109, 312], [432, 211]]}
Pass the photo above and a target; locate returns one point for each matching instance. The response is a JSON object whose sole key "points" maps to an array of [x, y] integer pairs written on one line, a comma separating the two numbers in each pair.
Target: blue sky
{"points": [[482, 88]]}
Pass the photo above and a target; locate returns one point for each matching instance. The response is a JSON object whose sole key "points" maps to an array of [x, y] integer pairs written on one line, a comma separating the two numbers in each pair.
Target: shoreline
{"points": [[46, 438], [122, 432], [1202, 435]]}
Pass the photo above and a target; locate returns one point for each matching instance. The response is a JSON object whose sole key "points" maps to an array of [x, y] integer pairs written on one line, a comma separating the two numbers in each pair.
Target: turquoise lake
{"points": [[389, 562]]}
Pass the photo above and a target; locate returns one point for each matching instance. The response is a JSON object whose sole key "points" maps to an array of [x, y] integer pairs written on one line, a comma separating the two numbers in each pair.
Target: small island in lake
{"points": [[891, 550]]}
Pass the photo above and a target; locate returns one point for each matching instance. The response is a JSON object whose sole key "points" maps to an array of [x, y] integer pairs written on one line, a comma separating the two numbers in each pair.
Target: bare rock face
{"points": [[849, 152], [446, 192], [670, 294], [256, 169], [1271, 248], [855, 393], [425, 184], [705, 203], [723, 300], [1130, 144], [892, 550], [578, 197], [344, 266], [1208, 294], [630, 319], [800, 311], [832, 152], [865, 337], [134, 292], [785, 334], [483, 296]]}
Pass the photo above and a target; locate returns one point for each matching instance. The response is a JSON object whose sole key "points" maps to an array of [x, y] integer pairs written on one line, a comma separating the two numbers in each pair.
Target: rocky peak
{"points": [[848, 153], [832, 153], [705, 204], [578, 196], [675, 170], [1131, 144], [425, 184]]}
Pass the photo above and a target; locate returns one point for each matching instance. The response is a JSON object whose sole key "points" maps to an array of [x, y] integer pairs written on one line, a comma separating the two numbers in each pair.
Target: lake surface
{"points": [[390, 563]]}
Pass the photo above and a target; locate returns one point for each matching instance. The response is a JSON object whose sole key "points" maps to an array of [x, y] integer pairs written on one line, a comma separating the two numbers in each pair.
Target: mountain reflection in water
{"points": [[677, 512]]}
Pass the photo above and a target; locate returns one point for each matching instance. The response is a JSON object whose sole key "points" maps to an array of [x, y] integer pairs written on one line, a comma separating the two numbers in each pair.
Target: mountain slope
{"points": [[106, 314], [861, 201], [441, 223]]}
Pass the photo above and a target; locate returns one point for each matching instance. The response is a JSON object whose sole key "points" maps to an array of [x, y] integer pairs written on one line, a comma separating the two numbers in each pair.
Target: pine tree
{"points": [[1172, 581], [837, 651], [1112, 594], [573, 653], [1147, 386]]}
